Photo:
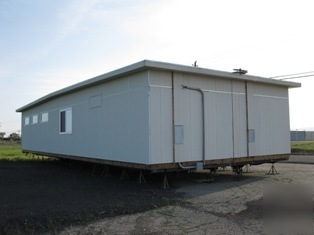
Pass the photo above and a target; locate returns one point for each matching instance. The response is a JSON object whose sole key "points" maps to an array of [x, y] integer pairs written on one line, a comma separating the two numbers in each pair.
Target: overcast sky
{"points": [[46, 45]]}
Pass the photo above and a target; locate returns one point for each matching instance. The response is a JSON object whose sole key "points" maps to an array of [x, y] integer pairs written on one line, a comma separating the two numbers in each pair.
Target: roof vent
{"points": [[240, 71]]}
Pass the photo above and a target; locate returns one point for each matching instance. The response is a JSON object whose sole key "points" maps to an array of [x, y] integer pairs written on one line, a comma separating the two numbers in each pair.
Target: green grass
{"points": [[302, 146], [12, 152]]}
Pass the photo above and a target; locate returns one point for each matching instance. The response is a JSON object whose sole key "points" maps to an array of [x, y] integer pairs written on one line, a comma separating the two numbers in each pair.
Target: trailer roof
{"points": [[149, 64]]}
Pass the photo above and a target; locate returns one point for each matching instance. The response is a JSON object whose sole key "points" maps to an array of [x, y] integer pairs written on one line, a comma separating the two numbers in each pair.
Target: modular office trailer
{"points": [[156, 116]]}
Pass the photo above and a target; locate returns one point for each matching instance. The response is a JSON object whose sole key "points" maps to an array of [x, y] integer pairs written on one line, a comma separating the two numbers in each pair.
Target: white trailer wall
{"points": [[109, 121], [269, 118], [160, 117], [225, 118]]}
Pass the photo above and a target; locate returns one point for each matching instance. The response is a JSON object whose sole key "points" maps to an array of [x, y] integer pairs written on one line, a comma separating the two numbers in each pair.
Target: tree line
{"points": [[12, 136]]}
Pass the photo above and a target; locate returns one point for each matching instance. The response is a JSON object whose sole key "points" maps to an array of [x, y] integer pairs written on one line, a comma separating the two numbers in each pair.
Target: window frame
{"points": [[41, 117], [26, 123], [33, 118], [65, 121]]}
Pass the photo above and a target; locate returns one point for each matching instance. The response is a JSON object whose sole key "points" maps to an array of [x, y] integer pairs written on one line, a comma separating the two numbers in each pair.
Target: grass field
{"points": [[302, 147], [12, 152]]}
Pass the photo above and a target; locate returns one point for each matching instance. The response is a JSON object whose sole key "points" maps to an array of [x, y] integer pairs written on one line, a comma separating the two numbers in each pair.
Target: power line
{"points": [[304, 76], [294, 75]]}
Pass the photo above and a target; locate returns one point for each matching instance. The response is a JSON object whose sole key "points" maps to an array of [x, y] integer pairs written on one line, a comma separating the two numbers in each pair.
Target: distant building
{"points": [[302, 135], [297, 135], [154, 115]]}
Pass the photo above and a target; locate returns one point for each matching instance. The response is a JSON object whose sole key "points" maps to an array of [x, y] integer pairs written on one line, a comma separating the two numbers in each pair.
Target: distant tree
{"points": [[2, 134], [15, 136]]}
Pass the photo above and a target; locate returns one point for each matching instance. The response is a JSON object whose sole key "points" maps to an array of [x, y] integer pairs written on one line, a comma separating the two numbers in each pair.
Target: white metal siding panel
{"points": [[223, 125], [117, 130], [239, 119], [161, 117], [225, 118], [218, 118], [188, 114], [269, 117]]}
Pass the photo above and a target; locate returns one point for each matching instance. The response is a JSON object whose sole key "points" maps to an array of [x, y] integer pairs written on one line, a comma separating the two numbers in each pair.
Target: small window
{"points": [[44, 117], [35, 119], [26, 121], [66, 121]]}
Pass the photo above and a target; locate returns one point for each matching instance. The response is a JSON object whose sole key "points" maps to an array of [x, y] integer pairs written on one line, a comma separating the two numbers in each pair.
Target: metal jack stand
{"points": [[212, 174], [141, 178], [223, 168], [238, 171], [106, 172], [93, 171], [272, 170], [247, 168], [165, 183], [124, 175]]}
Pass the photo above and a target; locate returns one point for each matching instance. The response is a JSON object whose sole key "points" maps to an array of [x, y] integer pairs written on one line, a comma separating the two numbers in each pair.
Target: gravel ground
{"points": [[51, 197], [40, 196], [228, 205]]}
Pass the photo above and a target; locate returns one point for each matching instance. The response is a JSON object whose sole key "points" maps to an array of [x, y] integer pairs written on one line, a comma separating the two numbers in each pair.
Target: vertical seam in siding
{"points": [[172, 106], [232, 118], [149, 118], [247, 120]]}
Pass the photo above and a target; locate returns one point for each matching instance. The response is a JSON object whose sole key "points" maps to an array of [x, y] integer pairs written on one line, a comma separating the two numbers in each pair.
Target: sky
{"points": [[46, 45]]}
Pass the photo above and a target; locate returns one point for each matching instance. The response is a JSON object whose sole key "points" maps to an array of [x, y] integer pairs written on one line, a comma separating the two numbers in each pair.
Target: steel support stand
{"points": [[124, 175], [141, 178], [106, 172], [94, 170], [247, 168], [272, 170], [238, 171], [223, 168], [212, 175], [165, 183]]}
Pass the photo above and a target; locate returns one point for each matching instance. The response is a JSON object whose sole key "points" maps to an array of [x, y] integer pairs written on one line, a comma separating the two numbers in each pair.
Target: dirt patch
{"points": [[41, 196]]}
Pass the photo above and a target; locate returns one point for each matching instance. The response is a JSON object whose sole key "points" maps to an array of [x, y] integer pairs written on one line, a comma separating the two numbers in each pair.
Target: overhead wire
{"points": [[303, 76], [294, 75]]}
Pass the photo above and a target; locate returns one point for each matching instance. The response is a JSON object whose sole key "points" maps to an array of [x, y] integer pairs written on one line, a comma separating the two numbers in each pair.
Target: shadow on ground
{"points": [[46, 196]]}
